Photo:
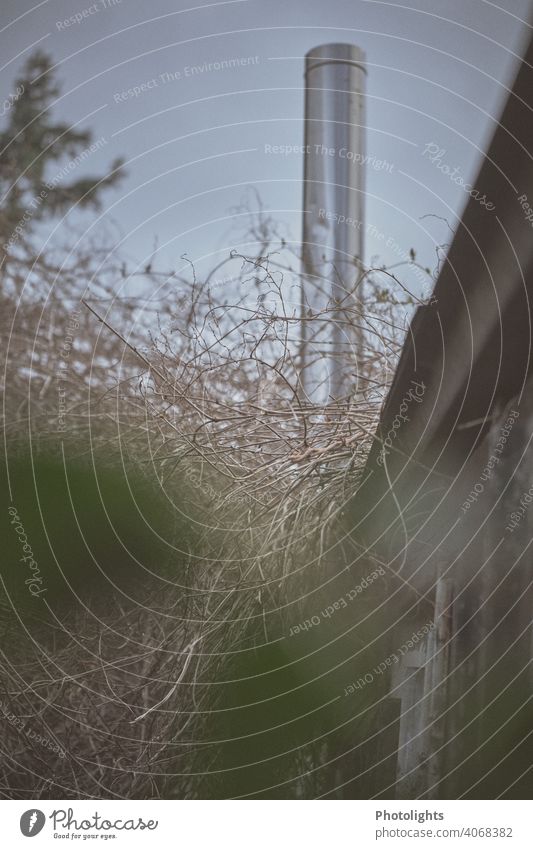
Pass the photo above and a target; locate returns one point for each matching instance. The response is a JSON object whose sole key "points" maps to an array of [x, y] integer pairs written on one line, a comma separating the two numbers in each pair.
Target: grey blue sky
{"points": [[438, 73]]}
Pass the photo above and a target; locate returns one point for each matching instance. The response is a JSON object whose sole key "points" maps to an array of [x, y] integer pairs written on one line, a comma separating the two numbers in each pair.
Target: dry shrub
{"points": [[197, 387]]}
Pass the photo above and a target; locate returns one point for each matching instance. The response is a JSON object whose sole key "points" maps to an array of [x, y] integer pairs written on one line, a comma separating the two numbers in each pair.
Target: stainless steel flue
{"points": [[333, 219]]}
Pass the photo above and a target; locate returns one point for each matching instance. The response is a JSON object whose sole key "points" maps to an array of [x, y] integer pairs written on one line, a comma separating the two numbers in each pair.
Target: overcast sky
{"points": [[438, 72]]}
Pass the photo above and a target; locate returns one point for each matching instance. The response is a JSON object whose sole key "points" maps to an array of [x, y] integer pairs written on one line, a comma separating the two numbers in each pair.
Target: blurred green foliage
{"points": [[85, 534]]}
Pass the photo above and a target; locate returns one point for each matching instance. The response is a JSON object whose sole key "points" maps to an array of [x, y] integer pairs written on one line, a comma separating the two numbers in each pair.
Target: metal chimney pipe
{"points": [[333, 212]]}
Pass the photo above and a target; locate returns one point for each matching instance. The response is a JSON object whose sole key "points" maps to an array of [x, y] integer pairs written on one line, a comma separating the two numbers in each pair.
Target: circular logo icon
{"points": [[32, 822]]}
